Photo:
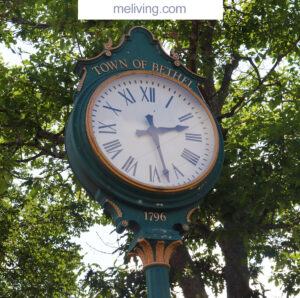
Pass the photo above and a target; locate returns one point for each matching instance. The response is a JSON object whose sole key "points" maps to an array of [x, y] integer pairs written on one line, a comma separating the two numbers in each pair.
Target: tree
{"points": [[250, 61]]}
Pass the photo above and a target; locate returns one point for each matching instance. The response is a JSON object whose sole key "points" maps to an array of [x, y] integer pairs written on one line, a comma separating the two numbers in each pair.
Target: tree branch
{"points": [[55, 138], [229, 68], [279, 226], [233, 110], [31, 158], [179, 47], [202, 231], [59, 155], [43, 150], [281, 56], [241, 103], [20, 21], [255, 69]]}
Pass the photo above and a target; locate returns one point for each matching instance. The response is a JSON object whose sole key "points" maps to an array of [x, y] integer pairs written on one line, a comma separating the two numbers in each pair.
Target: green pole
{"points": [[157, 279], [155, 255]]}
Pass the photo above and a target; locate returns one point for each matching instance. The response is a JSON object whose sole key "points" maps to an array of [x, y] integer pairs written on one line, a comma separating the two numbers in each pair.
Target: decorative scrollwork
{"points": [[158, 253], [175, 56], [116, 208], [82, 79], [108, 47], [188, 217]]}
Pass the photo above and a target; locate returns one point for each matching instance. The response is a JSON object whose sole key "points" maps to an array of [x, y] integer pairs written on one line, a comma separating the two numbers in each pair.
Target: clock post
{"points": [[142, 141], [155, 257]]}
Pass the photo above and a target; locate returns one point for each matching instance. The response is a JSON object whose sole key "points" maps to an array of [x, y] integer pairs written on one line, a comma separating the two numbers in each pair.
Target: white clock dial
{"points": [[152, 131]]}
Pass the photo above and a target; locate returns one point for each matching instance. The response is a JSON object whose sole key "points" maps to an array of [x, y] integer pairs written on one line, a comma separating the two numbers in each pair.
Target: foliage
{"points": [[250, 60], [37, 256], [114, 282]]}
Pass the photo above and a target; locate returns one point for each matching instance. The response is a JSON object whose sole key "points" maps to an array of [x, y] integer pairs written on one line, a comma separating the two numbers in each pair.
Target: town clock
{"points": [[143, 142], [152, 131], [141, 138]]}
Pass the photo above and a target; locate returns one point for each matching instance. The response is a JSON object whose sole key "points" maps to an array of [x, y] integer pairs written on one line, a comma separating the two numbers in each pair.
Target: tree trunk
{"points": [[236, 268], [193, 48], [189, 279]]}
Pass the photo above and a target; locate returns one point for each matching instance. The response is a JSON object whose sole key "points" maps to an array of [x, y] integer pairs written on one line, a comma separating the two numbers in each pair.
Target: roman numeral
{"points": [[185, 117], [113, 147], [177, 172], [153, 174], [190, 156], [195, 137], [109, 107], [128, 97], [169, 101], [151, 92], [107, 128], [129, 165]]}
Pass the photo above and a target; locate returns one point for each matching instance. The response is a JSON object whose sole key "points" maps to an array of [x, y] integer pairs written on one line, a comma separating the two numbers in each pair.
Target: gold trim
{"points": [[186, 227], [188, 217], [159, 251], [162, 253], [156, 263], [117, 209], [154, 39], [175, 56], [124, 223], [115, 170], [145, 253], [82, 79], [108, 47], [131, 254], [170, 249]]}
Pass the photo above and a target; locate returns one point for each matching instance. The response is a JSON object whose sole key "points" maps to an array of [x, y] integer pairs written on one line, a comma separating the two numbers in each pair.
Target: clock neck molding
{"points": [[143, 142]]}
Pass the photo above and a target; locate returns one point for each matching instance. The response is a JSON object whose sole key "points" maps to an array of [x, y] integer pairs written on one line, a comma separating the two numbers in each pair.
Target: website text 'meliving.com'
{"points": [[153, 10]]}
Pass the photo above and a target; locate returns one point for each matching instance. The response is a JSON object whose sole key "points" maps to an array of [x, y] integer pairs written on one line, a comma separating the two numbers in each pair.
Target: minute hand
{"points": [[167, 129], [155, 139]]}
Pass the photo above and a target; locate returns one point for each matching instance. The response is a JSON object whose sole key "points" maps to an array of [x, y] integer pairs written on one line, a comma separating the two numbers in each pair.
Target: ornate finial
{"points": [[108, 47], [175, 56]]}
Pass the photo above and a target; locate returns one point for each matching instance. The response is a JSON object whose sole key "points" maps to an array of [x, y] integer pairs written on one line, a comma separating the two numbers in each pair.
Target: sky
{"points": [[99, 242]]}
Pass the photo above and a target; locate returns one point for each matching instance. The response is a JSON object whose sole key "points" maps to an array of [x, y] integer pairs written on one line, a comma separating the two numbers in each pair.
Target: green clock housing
{"points": [[141, 139]]}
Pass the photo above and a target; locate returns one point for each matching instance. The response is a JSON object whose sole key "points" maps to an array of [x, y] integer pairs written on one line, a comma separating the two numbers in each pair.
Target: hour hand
{"points": [[175, 128], [140, 133], [150, 119]]}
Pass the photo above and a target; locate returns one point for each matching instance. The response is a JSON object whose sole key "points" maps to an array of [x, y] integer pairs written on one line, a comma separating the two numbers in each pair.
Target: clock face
{"points": [[152, 131]]}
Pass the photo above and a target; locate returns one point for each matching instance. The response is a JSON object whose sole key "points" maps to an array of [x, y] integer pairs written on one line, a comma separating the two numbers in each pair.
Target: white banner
{"points": [[150, 9]]}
